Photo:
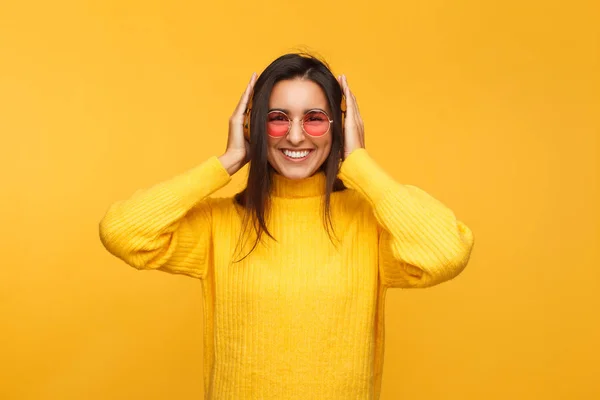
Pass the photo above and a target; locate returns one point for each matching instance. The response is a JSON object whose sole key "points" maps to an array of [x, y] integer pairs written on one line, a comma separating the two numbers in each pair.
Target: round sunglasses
{"points": [[314, 123]]}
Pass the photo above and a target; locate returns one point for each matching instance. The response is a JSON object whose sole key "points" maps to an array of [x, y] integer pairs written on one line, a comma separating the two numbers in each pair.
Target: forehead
{"points": [[297, 96]]}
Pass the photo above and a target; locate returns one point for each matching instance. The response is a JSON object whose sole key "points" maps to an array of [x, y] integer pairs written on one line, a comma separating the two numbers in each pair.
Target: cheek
{"points": [[272, 149], [272, 144], [324, 143]]}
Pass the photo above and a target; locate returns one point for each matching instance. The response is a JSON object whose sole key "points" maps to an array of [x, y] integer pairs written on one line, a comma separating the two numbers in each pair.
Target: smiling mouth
{"points": [[296, 155]]}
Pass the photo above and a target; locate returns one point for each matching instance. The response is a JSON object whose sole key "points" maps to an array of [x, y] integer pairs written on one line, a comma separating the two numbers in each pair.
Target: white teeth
{"points": [[296, 154]]}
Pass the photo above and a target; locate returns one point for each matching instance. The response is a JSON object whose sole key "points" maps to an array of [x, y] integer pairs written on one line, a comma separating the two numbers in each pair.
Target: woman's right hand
{"points": [[238, 148]]}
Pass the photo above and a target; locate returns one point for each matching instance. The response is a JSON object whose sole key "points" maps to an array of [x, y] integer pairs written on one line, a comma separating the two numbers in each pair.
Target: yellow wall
{"points": [[490, 106]]}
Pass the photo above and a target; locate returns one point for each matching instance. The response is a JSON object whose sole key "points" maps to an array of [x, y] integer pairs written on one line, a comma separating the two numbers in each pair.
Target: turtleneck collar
{"points": [[298, 188]]}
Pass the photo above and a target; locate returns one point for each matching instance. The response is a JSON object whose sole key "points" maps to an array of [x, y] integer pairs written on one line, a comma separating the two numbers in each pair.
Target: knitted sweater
{"points": [[301, 317]]}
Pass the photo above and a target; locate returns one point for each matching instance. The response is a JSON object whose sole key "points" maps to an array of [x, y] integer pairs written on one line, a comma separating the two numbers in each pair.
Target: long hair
{"points": [[255, 198]]}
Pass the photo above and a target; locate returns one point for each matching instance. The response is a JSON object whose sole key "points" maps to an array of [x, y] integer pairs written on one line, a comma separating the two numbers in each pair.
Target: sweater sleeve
{"points": [[421, 243], [168, 226]]}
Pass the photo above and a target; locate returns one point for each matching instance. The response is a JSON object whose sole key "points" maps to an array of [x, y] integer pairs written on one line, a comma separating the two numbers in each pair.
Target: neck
{"points": [[313, 186]]}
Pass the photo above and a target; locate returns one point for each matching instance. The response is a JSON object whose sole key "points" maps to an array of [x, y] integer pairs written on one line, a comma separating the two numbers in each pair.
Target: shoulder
{"points": [[349, 201], [222, 204], [215, 206]]}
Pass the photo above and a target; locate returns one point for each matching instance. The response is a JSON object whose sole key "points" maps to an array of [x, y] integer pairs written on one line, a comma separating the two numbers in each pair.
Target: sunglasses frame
{"points": [[246, 123], [291, 121]]}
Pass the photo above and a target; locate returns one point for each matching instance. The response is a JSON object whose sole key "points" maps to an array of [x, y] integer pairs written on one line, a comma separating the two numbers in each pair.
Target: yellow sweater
{"points": [[300, 318]]}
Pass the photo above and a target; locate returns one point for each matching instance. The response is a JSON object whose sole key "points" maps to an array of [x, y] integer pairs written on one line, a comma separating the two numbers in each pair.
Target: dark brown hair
{"points": [[255, 198]]}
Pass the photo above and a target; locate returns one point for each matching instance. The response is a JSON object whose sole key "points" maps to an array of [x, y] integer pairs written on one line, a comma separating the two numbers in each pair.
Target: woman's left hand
{"points": [[354, 130]]}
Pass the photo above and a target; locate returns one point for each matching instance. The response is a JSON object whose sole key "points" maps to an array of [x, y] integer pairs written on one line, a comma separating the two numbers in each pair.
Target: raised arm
{"points": [[421, 241], [168, 226]]}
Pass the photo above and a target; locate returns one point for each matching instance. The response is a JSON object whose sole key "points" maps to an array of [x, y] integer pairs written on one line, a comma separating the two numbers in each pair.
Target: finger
{"points": [[352, 106], [355, 103], [248, 92], [348, 95], [351, 103], [243, 103], [341, 83], [345, 86]]}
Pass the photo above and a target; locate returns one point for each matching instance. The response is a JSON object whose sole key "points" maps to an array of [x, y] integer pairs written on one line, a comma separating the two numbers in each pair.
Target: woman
{"points": [[295, 268]]}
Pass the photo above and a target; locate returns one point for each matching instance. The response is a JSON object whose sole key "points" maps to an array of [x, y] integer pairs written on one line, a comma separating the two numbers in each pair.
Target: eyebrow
{"points": [[285, 110]]}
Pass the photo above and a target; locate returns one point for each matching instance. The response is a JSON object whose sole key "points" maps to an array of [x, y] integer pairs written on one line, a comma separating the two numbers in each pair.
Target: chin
{"points": [[295, 174]]}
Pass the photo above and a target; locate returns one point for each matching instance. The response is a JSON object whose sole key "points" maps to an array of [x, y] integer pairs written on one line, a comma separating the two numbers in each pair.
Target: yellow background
{"points": [[490, 106]]}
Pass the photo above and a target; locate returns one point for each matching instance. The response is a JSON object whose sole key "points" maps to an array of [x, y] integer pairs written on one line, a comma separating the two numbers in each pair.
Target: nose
{"points": [[296, 134]]}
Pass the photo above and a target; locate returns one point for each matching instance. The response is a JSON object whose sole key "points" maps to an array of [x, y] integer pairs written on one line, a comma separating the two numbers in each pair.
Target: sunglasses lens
{"points": [[316, 123], [277, 124]]}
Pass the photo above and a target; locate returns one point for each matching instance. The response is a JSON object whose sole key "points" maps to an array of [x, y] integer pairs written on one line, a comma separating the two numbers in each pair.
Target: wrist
{"points": [[348, 151], [232, 162]]}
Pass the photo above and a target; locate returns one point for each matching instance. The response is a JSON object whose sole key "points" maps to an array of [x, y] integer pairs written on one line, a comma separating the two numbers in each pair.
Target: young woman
{"points": [[294, 268]]}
